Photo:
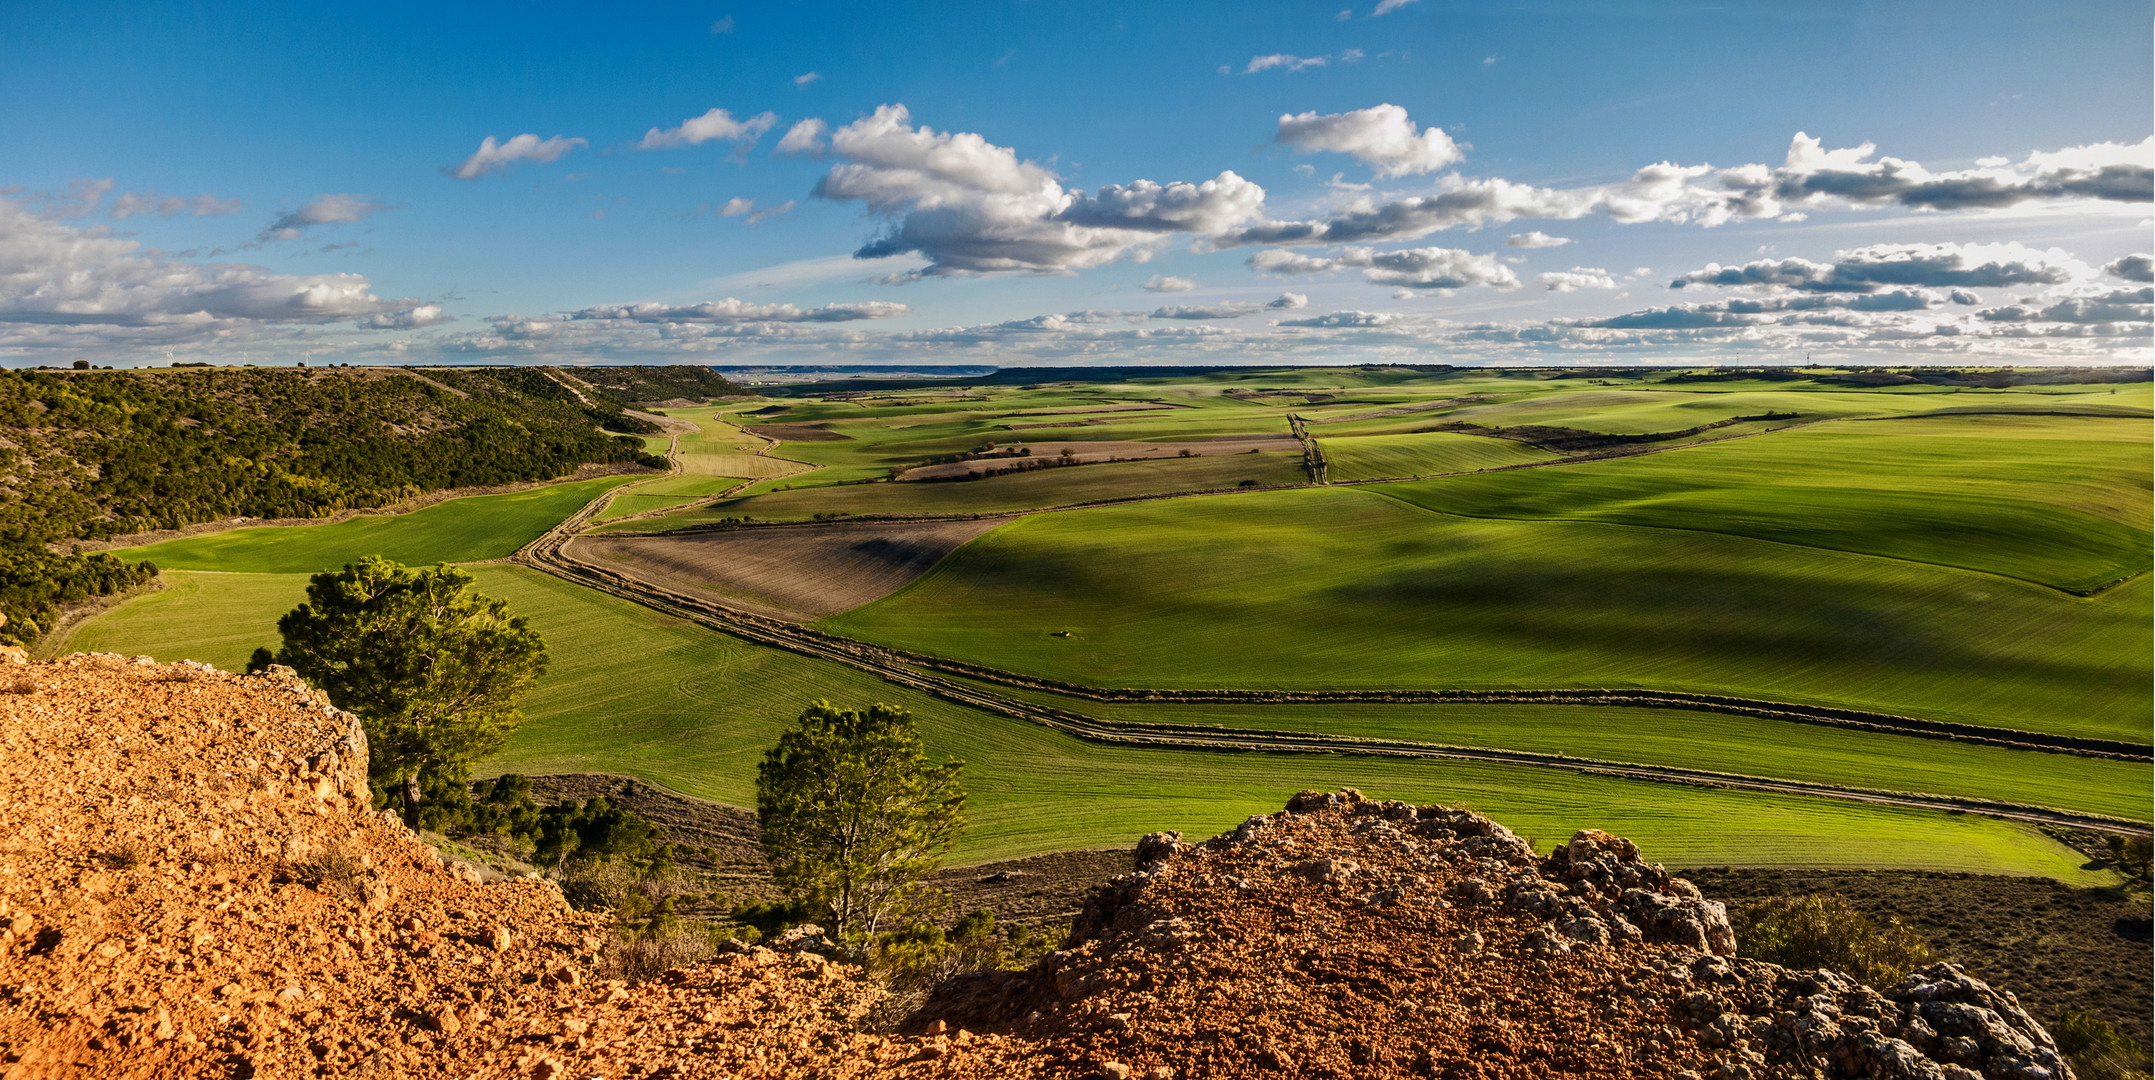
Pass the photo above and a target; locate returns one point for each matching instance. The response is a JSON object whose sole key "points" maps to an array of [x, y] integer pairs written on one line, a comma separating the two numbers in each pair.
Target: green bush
{"points": [[1828, 932]]}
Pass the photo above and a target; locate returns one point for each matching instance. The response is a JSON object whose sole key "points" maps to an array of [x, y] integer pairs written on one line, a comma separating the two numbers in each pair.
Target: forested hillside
{"points": [[87, 455], [654, 384]]}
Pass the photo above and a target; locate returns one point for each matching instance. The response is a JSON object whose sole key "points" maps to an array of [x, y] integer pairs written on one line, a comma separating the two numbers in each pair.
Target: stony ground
{"points": [[192, 885]]}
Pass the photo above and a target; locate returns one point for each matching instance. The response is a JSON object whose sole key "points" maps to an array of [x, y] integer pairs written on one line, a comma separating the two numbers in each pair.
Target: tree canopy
{"points": [[432, 669], [854, 814]]}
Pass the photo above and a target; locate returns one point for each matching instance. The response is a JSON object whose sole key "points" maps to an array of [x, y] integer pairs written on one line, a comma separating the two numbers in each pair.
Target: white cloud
{"points": [[341, 209], [90, 286], [1229, 310], [770, 212], [410, 319], [722, 25], [1811, 178], [715, 124], [804, 80], [730, 310], [1869, 269], [1288, 301], [492, 156], [1386, 7], [1164, 283], [1412, 268], [1343, 319], [805, 138], [1381, 136], [1284, 61], [736, 206], [141, 203], [1535, 239], [971, 207], [1578, 277]]}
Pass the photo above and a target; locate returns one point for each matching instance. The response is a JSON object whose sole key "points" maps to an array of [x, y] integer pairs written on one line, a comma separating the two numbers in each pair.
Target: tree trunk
{"points": [[412, 799]]}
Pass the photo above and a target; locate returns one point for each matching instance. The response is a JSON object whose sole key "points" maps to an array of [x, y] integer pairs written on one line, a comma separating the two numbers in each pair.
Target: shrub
{"points": [[2098, 1050], [1827, 932]]}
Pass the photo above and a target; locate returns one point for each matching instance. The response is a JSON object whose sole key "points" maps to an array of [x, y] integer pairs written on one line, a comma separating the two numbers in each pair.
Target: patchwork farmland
{"points": [[1829, 620]]}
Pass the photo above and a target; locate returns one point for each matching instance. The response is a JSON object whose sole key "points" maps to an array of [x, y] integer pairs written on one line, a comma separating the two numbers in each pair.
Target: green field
{"points": [[1346, 588], [1001, 494], [1909, 549], [460, 530], [1370, 456], [2062, 501]]}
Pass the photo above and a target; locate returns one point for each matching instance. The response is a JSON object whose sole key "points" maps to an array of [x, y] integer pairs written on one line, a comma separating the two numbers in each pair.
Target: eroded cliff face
{"points": [[192, 884]]}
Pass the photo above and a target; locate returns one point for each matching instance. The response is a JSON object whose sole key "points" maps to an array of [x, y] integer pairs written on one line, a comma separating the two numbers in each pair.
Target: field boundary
{"points": [[822, 646], [545, 554]]}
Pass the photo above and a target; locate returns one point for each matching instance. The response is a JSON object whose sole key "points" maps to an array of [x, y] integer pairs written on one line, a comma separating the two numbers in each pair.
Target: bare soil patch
{"points": [[1099, 451], [797, 432], [797, 573]]}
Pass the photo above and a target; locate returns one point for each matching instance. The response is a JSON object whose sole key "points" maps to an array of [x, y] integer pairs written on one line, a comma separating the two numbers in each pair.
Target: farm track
{"points": [[905, 669]]}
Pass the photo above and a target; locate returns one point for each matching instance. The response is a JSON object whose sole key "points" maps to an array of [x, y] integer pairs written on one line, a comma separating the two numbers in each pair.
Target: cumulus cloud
{"points": [[1578, 277], [320, 210], [805, 79], [730, 310], [1287, 301], [142, 203], [1284, 61], [1535, 239], [493, 157], [1343, 320], [2132, 268], [972, 207], [1165, 283], [717, 124], [1412, 268], [736, 206], [58, 275], [408, 319], [1386, 7], [2115, 306], [1809, 178], [805, 139], [1869, 269], [1381, 136]]}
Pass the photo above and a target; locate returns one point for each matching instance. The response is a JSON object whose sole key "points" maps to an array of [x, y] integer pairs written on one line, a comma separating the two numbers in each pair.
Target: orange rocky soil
{"points": [[192, 884]]}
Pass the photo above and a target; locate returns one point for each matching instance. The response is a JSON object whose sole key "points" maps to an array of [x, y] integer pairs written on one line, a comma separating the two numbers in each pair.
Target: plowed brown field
{"points": [[798, 573]]}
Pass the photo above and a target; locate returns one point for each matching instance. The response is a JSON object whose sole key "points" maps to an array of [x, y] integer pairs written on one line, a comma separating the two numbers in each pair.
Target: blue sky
{"points": [[204, 181]]}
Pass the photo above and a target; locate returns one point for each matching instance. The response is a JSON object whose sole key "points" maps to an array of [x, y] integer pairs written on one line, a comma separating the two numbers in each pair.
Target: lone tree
{"points": [[854, 814], [432, 670]]}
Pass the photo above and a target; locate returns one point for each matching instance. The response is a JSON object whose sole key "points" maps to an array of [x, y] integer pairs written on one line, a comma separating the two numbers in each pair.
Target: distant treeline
{"points": [[94, 454], [653, 384]]}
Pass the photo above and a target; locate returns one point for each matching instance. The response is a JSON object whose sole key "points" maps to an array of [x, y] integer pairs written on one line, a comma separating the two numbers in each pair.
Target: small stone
{"points": [[1114, 1070], [1467, 944], [498, 939]]}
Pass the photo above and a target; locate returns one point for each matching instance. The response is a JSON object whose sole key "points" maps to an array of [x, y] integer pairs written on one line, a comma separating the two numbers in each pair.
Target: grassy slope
{"points": [[1366, 457], [643, 695], [636, 693], [1021, 491], [2059, 500], [216, 618], [1700, 740], [1344, 588], [460, 530]]}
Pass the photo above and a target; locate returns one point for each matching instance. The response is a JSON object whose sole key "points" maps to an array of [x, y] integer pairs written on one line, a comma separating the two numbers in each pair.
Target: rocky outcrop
{"points": [[192, 884], [1354, 938]]}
